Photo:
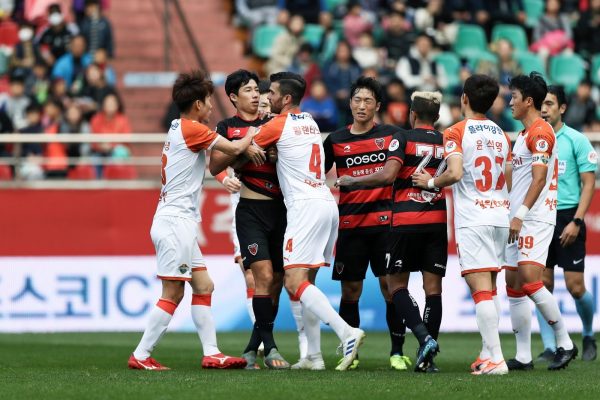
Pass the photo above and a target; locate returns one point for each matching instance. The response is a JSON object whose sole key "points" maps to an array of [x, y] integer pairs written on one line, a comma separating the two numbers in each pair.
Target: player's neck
{"points": [[470, 114], [530, 118], [358, 128], [247, 116], [422, 125], [558, 126], [190, 116], [289, 108]]}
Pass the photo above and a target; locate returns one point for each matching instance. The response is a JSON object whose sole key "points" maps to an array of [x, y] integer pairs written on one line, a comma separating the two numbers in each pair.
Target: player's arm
{"points": [[508, 170], [329, 156], [452, 174], [588, 185], [231, 150], [385, 176]]}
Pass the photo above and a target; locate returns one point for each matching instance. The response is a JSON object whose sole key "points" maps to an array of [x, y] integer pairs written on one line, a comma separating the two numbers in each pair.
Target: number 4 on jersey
{"points": [[314, 164]]}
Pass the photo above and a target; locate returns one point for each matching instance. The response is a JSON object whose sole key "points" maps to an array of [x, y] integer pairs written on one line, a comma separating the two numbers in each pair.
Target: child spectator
{"points": [[321, 106], [16, 101], [30, 167], [26, 53], [101, 60]]}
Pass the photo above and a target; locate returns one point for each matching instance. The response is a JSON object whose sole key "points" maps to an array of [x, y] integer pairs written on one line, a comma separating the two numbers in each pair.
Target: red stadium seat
{"points": [[5, 173], [82, 172], [113, 172]]}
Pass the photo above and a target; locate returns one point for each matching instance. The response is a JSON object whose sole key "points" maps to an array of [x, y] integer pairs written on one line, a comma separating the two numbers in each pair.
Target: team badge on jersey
{"points": [[394, 144], [347, 149], [253, 248], [541, 145], [380, 142], [450, 146], [593, 157]]}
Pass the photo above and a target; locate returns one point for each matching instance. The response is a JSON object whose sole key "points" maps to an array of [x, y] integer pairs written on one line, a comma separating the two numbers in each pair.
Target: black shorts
{"points": [[260, 225], [356, 251], [418, 251], [572, 257]]}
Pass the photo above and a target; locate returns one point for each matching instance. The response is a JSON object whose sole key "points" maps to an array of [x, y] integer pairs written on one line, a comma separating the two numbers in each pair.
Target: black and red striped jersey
{"points": [[261, 179], [360, 207], [415, 209]]}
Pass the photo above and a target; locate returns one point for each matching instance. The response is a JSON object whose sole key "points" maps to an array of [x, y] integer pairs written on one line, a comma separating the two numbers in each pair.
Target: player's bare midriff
{"points": [[247, 193]]}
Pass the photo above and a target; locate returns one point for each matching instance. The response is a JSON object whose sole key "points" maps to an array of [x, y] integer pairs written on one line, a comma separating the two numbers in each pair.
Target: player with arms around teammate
{"points": [[577, 162], [418, 236], [478, 157], [175, 231], [365, 212], [533, 201], [260, 217], [312, 213]]}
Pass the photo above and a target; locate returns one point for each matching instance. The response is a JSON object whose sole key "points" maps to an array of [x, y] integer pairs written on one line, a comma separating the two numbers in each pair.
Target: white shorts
{"points": [[532, 246], [310, 235], [177, 251], [237, 255], [481, 248]]}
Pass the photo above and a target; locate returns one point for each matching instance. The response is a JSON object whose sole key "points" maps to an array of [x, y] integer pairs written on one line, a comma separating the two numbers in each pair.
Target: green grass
{"points": [[93, 366]]}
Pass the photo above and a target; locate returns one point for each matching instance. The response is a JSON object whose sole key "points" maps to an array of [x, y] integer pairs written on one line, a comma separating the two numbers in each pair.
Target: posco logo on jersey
{"points": [[365, 159]]}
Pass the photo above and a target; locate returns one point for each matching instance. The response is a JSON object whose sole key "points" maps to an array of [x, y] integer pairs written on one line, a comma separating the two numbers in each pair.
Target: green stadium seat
{"points": [[530, 62], [567, 70], [595, 73], [476, 58], [513, 33], [470, 41], [329, 47], [263, 38], [332, 4], [313, 33], [3, 63], [534, 10], [451, 64]]}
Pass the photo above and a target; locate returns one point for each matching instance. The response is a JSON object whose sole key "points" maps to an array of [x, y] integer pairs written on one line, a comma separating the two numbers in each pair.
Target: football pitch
{"points": [[94, 366]]}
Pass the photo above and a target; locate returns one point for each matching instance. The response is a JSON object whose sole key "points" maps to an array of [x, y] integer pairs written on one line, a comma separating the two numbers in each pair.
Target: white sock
{"points": [[250, 310], [203, 319], [487, 321], [313, 299], [548, 307], [520, 317], [484, 354], [157, 325], [312, 328], [302, 336]]}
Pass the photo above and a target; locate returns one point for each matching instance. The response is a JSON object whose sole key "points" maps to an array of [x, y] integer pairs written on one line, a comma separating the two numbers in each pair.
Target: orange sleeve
{"points": [[221, 176], [541, 140], [270, 132], [453, 137], [509, 156], [197, 136]]}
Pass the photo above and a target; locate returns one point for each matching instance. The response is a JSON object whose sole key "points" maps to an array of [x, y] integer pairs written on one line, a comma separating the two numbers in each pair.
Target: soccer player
{"points": [[418, 237], [532, 220], [311, 209], [260, 218], [365, 213], [175, 231], [577, 162], [477, 153]]}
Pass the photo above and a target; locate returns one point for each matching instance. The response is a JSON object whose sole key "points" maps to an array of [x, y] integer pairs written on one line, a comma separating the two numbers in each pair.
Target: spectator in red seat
{"points": [[56, 153], [55, 38], [15, 101], [26, 53], [286, 45], [101, 60], [96, 29], [9, 30], [33, 124], [71, 66], [6, 126], [74, 123], [109, 120], [356, 22]]}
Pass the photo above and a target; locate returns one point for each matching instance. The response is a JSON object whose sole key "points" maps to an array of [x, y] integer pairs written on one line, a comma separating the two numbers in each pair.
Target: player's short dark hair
{"points": [[481, 90], [532, 85], [290, 83], [189, 87], [559, 92], [33, 107], [237, 79], [426, 105], [264, 86], [371, 84]]}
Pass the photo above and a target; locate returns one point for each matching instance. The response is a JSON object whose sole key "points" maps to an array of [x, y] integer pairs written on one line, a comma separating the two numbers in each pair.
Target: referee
{"points": [[577, 163]]}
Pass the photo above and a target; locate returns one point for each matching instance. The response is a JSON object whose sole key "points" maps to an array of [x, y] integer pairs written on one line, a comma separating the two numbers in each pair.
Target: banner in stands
{"points": [[117, 222], [52, 294]]}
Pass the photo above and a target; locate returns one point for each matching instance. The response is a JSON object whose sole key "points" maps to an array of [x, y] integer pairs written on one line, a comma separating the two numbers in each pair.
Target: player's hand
{"points": [[272, 154], [569, 234], [515, 228], [420, 179], [232, 184], [256, 155], [345, 180]]}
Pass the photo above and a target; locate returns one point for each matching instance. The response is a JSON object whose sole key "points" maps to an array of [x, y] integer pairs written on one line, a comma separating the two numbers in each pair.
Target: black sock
{"points": [[396, 327], [275, 310], [432, 315], [349, 313], [255, 340], [408, 309], [263, 311]]}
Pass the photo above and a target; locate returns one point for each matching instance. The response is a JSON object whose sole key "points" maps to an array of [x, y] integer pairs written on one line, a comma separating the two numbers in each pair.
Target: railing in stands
{"points": [[152, 163]]}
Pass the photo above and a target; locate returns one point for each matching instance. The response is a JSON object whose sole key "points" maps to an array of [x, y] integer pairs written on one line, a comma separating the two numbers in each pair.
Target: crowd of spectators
{"points": [[404, 44], [56, 77]]}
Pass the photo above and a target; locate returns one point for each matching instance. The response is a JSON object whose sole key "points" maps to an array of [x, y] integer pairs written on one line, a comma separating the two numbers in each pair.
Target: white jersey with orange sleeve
{"points": [[301, 158], [481, 196], [183, 167], [535, 146]]}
